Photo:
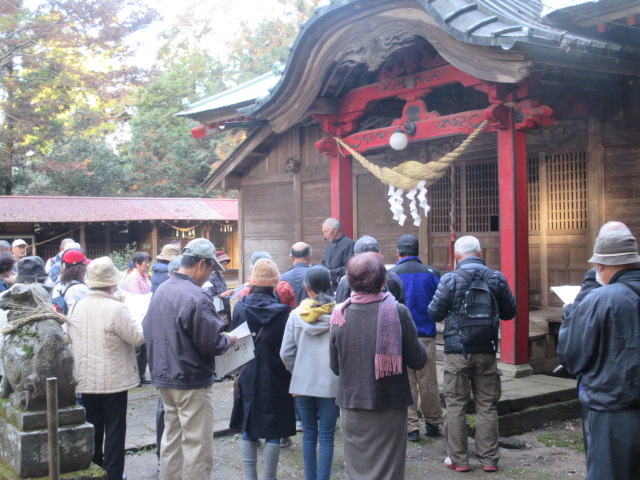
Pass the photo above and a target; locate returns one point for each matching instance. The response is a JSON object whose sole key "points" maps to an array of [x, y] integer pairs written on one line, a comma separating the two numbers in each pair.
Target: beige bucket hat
{"points": [[101, 273]]}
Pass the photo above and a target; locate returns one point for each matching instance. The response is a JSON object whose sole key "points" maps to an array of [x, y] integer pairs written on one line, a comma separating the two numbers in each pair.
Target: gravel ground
{"points": [[551, 453]]}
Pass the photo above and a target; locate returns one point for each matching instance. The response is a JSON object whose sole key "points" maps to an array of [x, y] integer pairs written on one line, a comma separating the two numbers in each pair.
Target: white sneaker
{"points": [[298, 426]]}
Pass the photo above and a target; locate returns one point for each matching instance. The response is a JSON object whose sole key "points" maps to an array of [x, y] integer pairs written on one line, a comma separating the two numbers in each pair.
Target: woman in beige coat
{"points": [[103, 335]]}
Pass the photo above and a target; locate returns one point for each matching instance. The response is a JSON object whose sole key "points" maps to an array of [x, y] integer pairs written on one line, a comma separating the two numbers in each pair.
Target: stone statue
{"points": [[34, 349]]}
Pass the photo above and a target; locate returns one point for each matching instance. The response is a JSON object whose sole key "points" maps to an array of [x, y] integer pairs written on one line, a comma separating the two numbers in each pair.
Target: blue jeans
{"points": [[318, 416]]}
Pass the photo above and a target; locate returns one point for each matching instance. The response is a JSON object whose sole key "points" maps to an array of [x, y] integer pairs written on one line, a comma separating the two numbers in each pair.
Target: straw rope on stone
{"points": [[23, 315], [18, 324], [408, 175]]}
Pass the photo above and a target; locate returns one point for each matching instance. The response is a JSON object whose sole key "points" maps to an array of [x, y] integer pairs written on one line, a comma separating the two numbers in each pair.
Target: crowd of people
{"points": [[347, 339]]}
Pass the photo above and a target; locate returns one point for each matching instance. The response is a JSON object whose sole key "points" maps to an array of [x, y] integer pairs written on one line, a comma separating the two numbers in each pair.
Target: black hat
{"points": [[30, 270], [409, 241]]}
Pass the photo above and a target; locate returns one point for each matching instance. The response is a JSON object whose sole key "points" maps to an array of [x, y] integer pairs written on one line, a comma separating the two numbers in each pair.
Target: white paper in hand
{"points": [[239, 354], [567, 293], [138, 305]]}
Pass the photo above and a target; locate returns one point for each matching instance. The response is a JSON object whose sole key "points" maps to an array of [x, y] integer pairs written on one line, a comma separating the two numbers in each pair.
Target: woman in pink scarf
{"points": [[138, 280], [373, 341]]}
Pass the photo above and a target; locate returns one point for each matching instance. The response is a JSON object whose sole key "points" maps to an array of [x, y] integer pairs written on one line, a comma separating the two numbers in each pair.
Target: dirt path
{"points": [[557, 458]]}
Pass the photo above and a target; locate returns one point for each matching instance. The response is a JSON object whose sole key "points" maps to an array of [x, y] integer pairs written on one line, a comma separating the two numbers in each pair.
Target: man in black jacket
{"points": [[337, 253], [599, 342], [184, 333], [590, 282], [470, 368]]}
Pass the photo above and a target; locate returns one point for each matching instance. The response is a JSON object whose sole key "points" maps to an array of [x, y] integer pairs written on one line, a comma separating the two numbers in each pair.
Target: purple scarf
{"points": [[388, 359]]}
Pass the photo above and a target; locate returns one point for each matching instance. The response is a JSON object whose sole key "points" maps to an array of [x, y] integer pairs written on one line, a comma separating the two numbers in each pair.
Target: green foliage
{"points": [[256, 52], [572, 440], [121, 258], [76, 120], [164, 158], [60, 61], [79, 167]]}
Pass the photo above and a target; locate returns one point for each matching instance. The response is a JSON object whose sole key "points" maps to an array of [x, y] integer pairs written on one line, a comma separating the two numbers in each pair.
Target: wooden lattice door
{"points": [[476, 203], [558, 223]]}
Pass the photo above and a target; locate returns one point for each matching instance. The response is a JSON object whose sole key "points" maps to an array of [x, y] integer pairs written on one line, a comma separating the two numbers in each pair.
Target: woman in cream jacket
{"points": [[103, 335]]}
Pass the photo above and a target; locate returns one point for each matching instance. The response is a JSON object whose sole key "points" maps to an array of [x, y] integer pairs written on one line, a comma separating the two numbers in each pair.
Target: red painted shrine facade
{"points": [[534, 186]]}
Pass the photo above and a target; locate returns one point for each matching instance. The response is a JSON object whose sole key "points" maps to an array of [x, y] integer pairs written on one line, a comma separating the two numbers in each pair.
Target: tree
{"points": [[256, 52], [86, 167], [59, 60], [164, 158]]}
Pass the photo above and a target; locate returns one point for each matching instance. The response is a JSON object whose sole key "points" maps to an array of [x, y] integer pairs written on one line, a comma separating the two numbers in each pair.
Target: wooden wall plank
{"points": [[375, 217], [622, 186]]}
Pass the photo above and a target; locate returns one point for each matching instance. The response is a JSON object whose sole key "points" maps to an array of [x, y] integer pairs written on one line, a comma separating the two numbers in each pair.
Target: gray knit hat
{"points": [[366, 244], [615, 248]]}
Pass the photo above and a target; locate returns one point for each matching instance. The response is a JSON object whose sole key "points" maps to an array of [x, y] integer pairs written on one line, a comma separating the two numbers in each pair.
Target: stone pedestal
{"points": [[515, 371], [23, 441]]}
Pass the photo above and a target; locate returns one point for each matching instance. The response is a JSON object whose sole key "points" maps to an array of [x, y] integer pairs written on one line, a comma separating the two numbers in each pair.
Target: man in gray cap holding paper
{"points": [[599, 342], [394, 285], [184, 333]]}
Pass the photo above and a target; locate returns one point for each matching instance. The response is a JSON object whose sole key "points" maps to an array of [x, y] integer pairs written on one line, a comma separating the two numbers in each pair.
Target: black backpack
{"points": [[478, 317]]}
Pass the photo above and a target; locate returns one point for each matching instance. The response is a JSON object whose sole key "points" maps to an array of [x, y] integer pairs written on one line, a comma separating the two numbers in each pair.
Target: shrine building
{"points": [[547, 99]]}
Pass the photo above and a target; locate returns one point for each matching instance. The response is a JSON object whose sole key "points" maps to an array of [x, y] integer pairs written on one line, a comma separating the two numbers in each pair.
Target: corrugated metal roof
{"points": [[16, 209]]}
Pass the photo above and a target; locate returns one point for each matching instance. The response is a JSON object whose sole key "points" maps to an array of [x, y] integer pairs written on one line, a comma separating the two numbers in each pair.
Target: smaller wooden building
{"points": [[103, 224]]}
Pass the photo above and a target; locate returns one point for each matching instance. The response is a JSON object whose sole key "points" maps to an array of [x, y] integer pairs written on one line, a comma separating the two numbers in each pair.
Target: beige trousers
{"points": [[424, 388], [187, 443], [477, 374]]}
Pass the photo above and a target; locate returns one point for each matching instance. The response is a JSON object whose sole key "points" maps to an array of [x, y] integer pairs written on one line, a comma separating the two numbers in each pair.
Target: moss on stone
{"points": [[570, 440], [94, 472]]}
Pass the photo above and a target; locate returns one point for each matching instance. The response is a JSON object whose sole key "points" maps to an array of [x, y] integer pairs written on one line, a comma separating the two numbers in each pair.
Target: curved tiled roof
{"points": [[508, 24]]}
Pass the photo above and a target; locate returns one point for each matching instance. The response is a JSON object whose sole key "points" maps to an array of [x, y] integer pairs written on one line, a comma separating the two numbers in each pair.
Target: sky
{"points": [[226, 14]]}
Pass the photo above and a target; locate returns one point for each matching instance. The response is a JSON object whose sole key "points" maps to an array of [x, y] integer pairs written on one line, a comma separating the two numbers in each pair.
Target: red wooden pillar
{"points": [[341, 192], [514, 238]]}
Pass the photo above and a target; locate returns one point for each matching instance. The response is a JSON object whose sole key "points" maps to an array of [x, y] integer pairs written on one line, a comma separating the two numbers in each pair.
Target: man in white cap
{"points": [[599, 342], [184, 333], [19, 251]]}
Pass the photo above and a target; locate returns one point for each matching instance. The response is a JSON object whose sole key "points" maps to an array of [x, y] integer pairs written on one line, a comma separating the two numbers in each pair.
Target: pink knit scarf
{"points": [[388, 359]]}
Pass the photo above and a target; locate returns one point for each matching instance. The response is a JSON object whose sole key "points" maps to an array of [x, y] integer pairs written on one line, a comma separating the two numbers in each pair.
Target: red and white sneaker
{"points": [[448, 464]]}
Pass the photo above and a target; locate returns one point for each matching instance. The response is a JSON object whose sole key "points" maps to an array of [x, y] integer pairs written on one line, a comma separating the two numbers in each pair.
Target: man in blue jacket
{"points": [[420, 282], [184, 333]]}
